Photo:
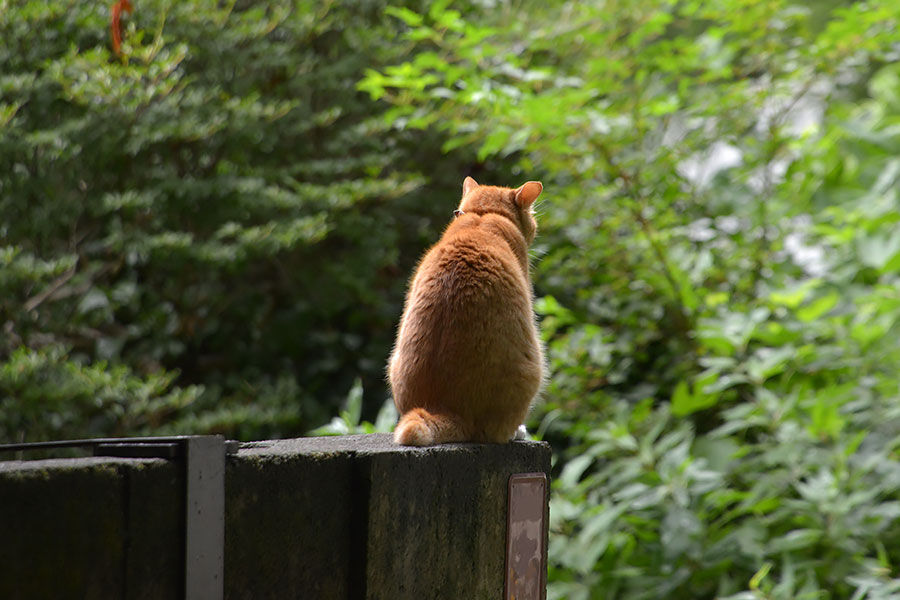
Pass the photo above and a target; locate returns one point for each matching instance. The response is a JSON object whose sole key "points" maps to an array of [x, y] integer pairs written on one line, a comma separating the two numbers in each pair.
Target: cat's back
{"points": [[474, 263]]}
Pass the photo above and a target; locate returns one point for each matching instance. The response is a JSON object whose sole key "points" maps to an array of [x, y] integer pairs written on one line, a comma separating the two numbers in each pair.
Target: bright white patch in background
{"points": [[729, 224], [797, 116], [701, 230], [700, 168], [809, 258]]}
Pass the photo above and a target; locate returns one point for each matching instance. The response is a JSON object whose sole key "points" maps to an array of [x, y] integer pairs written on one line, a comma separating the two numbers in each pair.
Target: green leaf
{"points": [[757, 578], [686, 400], [794, 296], [891, 265], [408, 16], [878, 251], [494, 143], [795, 540], [818, 307], [353, 411], [574, 469], [767, 362]]}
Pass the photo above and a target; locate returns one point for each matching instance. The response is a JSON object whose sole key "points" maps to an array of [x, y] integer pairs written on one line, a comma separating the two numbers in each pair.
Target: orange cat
{"points": [[467, 362]]}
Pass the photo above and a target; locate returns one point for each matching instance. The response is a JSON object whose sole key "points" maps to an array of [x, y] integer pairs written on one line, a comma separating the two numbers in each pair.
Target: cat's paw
{"points": [[521, 433]]}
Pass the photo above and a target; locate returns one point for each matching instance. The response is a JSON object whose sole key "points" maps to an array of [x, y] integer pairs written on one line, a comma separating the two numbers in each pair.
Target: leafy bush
{"points": [[215, 207], [50, 397], [718, 266]]}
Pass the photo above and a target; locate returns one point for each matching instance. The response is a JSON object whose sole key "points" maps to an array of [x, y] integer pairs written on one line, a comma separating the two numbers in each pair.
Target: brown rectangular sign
{"points": [[526, 566]]}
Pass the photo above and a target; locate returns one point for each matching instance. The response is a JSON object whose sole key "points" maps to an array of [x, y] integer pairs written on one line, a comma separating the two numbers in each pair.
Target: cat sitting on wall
{"points": [[467, 362]]}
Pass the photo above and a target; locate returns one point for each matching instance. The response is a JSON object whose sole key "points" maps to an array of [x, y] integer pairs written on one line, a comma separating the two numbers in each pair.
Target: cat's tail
{"points": [[419, 427]]}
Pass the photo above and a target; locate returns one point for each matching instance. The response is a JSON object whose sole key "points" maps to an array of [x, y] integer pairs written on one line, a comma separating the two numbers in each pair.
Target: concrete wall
{"points": [[322, 518]]}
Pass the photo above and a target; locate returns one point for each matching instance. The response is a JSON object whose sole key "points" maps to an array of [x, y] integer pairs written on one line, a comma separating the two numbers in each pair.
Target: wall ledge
{"points": [[327, 518]]}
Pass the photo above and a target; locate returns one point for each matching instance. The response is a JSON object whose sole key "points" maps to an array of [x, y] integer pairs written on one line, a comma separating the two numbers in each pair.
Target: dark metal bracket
{"points": [[204, 460]]}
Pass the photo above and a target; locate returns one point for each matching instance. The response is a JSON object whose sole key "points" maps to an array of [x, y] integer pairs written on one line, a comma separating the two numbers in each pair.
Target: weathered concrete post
{"points": [[322, 518]]}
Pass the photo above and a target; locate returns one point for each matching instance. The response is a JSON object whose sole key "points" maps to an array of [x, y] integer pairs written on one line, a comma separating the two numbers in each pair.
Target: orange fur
{"points": [[467, 362], [418, 427]]}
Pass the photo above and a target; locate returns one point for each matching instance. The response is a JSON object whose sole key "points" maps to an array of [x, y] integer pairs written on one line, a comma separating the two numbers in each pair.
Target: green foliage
{"points": [[718, 273], [49, 396], [216, 207], [211, 232], [350, 418]]}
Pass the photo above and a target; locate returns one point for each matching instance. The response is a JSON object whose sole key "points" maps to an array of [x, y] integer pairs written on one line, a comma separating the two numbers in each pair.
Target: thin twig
{"points": [[35, 301]]}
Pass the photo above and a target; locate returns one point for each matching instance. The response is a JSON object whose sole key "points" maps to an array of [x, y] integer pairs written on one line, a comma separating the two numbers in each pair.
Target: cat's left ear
{"points": [[528, 193], [468, 185]]}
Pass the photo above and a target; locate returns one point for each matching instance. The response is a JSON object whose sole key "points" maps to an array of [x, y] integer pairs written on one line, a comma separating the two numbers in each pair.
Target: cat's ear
{"points": [[468, 185], [528, 193]]}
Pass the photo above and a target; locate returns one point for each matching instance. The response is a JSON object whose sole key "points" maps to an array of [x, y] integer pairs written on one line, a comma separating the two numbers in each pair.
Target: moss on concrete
{"points": [[382, 521], [287, 526]]}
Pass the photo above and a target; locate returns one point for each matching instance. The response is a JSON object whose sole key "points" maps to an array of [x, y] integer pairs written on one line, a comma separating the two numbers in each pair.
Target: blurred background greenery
{"points": [[211, 231]]}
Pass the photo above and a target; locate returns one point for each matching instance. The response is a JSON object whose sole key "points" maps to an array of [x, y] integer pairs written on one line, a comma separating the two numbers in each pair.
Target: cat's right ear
{"points": [[468, 185], [528, 193]]}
